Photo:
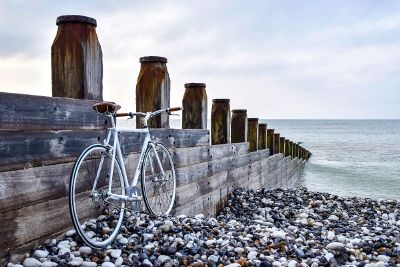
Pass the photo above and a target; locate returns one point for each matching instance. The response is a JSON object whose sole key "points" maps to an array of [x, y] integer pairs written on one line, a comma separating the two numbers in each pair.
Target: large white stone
{"points": [[41, 253], [31, 262]]}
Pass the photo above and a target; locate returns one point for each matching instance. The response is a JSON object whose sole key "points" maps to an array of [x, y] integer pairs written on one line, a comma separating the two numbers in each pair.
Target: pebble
{"points": [[41, 253], [335, 246], [290, 227], [47, 264], [85, 250], [115, 253], [31, 262]]}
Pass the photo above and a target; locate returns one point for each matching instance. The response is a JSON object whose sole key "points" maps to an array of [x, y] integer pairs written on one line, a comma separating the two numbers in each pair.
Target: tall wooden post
{"points": [[291, 149], [194, 104], [220, 121], [262, 136], [77, 59], [282, 145], [253, 134], [299, 152], [270, 140], [153, 90], [296, 149], [287, 149], [239, 126], [276, 143]]}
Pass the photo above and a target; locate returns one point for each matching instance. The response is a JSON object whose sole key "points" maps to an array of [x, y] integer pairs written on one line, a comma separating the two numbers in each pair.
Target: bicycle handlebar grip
{"points": [[174, 109], [123, 114]]}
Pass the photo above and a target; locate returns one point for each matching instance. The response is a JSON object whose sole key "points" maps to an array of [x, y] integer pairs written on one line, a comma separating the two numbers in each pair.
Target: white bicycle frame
{"points": [[115, 151]]}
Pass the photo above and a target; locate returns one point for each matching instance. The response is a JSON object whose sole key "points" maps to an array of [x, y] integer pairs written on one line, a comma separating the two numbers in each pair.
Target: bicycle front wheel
{"points": [[96, 216], [158, 180]]}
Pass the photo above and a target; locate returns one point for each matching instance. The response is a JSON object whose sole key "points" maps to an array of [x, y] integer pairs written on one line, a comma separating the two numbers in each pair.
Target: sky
{"points": [[283, 59]]}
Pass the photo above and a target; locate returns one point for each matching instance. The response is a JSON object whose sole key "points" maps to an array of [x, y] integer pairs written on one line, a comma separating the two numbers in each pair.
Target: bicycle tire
{"points": [[83, 204], [151, 185]]}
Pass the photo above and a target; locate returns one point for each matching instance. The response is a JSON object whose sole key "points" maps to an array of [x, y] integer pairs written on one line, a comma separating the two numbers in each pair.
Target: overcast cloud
{"points": [[278, 59]]}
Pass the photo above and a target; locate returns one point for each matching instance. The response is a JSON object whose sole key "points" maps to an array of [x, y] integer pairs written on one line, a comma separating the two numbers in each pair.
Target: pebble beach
{"points": [[291, 227]]}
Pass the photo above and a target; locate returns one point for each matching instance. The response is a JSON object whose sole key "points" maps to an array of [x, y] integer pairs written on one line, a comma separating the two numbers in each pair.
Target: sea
{"points": [[349, 157]]}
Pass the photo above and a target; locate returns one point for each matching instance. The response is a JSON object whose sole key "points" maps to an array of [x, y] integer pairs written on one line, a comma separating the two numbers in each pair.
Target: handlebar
{"points": [[148, 114]]}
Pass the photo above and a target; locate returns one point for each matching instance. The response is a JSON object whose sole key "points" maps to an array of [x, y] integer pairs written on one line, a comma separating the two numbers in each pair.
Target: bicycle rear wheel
{"points": [[158, 180], [96, 217]]}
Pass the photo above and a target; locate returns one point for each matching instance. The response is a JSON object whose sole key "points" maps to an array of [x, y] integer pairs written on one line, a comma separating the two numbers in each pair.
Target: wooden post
{"points": [[252, 134], [239, 126], [299, 152], [77, 59], [296, 151], [270, 140], [153, 90], [282, 145], [262, 136], [291, 147], [194, 104], [287, 148], [220, 121], [276, 143]]}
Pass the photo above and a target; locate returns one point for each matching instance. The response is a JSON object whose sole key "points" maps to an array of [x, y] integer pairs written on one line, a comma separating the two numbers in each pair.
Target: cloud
{"points": [[304, 59]]}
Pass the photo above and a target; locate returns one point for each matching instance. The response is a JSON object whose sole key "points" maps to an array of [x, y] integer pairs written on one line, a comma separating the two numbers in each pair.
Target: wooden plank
{"points": [[33, 185], [30, 112], [26, 149], [194, 155], [33, 222]]}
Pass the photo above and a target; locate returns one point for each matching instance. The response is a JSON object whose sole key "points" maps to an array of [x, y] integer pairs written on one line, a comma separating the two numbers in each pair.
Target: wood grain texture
{"points": [[77, 62], [29, 112], [28, 149], [239, 126], [194, 104], [220, 122], [153, 91]]}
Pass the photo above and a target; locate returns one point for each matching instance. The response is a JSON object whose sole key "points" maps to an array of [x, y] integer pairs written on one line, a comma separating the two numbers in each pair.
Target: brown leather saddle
{"points": [[109, 107]]}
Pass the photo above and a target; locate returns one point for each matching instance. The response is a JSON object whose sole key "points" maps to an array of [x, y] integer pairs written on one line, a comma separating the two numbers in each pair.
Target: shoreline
{"points": [[281, 227]]}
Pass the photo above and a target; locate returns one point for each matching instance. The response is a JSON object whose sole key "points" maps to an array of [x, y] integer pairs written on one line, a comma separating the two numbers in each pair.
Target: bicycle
{"points": [[99, 190]]}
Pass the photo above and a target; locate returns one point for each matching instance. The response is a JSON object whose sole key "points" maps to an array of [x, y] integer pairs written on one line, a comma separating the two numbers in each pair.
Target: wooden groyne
{"points": [[42, 136]]}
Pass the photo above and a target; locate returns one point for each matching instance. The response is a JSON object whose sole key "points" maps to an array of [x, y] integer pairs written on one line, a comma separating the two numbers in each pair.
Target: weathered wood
{"points": [[194, 104], [153, 90], [193, 155], [29, 112], [291, 149], [239, 126], [76, 59], [220, 122], [262, 136], [282, 145], [252, 133], [276, 143], [270, 141], [33, 185], [30, 223], [31, 148], [287, 149]]}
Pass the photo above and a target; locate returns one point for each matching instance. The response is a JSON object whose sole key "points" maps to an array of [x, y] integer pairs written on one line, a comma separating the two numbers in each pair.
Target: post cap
{"points": [[262, 124], [75, 18], [253, 119], [239, 110], [194, 85], [282, 137], [221, 100], [155, 59], [270, 130]]}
